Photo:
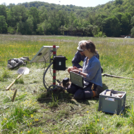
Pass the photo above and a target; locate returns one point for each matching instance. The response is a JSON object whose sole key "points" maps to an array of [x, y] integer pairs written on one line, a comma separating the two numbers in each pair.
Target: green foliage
{"points": [[132, 21], [132, 32], [5, 74], [1, 78], [100, 34], [109, 27], [90, 128], [29, 25], [35, 14], [19, 81], [118, 2], [95, 30], [12, 121], [131, 119], [3, 11], [63, 113], [40, 28], [16, 14], [54, 102], [125, 24], [20, 97], [114, 19], [70, 116], [3, 24], [11, 30]]}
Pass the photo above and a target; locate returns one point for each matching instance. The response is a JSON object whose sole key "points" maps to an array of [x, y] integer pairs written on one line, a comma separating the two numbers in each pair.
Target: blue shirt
{"points": [[78, 58], [93, 70]]}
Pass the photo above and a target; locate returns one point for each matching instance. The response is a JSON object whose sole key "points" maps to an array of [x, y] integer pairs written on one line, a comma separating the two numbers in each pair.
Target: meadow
{"points": [[35, 112]]}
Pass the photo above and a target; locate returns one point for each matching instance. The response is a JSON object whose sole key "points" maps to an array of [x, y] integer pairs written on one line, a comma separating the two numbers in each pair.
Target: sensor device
{"points": [[59, 63]]}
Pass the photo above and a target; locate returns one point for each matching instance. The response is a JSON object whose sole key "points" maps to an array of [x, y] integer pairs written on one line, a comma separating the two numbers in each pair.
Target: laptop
{"points": [[78, 80]]}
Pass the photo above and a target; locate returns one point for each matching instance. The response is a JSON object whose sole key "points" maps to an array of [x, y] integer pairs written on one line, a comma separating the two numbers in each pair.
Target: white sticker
{"points": [[59, 63], [109, 99]]}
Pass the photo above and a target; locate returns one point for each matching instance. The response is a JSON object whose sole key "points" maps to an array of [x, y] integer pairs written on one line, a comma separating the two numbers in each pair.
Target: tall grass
{"points": [[34, 111], [112, 51]]}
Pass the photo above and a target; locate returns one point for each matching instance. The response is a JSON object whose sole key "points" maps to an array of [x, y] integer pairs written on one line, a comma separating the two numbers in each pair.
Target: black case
{"points": [[59, 63]]}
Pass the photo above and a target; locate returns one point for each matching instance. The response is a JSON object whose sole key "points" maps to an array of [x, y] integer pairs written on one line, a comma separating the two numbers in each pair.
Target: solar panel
{"points": [[44, 54]]}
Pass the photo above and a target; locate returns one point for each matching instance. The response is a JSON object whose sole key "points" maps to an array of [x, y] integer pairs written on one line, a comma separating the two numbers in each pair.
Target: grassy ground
{"points": [[35, 112]]}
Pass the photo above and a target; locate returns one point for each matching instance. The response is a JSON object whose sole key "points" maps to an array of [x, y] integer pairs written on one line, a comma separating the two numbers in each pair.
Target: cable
{"points": [[51, 87], [44, 82]]}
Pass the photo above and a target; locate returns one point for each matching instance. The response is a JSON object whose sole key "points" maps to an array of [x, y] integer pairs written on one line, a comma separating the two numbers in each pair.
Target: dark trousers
{"points": [[80, 93]]}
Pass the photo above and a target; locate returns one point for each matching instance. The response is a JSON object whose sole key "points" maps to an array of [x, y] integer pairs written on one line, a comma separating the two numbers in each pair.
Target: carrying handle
{"points": [[110, 99]]}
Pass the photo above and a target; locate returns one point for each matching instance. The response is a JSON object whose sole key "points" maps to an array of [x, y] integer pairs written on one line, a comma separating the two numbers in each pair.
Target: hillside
{"points": [[113, 19]]}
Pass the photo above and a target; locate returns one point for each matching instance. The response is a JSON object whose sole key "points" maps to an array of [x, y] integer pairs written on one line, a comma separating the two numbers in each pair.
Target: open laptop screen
{"points": [[76, 79]]}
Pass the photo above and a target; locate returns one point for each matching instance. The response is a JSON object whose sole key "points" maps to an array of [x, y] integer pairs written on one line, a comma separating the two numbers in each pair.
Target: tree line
{"points": [[113, 19]]}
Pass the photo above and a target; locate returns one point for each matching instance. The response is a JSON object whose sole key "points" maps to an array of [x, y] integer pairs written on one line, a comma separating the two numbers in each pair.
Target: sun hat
{"points": [[80, 42]]}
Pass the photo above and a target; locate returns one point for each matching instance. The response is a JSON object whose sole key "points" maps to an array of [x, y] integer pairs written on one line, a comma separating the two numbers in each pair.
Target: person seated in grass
{"points": [[79, 56], [91, 72]]}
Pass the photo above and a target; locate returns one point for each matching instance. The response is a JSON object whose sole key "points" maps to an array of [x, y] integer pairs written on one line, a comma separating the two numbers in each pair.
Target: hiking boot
{"points": [[99, 89]]}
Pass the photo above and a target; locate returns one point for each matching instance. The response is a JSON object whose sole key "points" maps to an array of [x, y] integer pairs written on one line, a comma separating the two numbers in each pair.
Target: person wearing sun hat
{"points": [[79, 55], [91, 73]]}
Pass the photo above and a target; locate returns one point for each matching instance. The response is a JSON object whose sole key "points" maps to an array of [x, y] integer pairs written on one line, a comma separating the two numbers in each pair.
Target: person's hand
{"points": [[75, 70], [74, 67], [69, 69]]}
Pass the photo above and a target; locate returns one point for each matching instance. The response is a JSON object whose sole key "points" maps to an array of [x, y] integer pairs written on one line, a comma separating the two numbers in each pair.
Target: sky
{"points": [[83, 3]]}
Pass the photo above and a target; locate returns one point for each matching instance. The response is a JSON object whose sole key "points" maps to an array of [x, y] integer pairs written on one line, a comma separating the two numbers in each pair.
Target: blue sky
{"points": [[83, 3]]}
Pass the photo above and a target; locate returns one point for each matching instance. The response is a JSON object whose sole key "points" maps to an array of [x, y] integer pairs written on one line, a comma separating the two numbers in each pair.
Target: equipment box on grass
{"points": [[112, 103]]}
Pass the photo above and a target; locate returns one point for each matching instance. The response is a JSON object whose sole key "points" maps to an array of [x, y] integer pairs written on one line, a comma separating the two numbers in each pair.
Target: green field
{"points": [[35, 112]]}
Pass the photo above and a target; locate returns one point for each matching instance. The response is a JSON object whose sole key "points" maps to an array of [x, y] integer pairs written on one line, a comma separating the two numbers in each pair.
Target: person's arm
{"points": [[76, 60], [91, 71], [79, 72]]}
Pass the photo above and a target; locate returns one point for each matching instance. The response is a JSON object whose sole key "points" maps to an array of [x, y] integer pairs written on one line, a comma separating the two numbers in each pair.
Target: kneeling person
{"points": [[91, 72]]}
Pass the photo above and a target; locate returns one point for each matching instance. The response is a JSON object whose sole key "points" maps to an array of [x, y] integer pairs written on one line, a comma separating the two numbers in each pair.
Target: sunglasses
{"points": [[80, 51]]}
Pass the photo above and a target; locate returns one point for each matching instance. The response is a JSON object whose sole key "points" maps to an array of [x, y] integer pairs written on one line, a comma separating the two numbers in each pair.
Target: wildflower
{"points": [[87, 111], [130, 117], [121, 114], [65, 131], [28, 131], [31, 115], [5, 118], [102, 128], [97, 119], [36, 119]]}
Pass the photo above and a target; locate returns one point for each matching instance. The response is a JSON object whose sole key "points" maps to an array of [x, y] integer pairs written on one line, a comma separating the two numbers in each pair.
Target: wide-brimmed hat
{"points": [[78, 48]]}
